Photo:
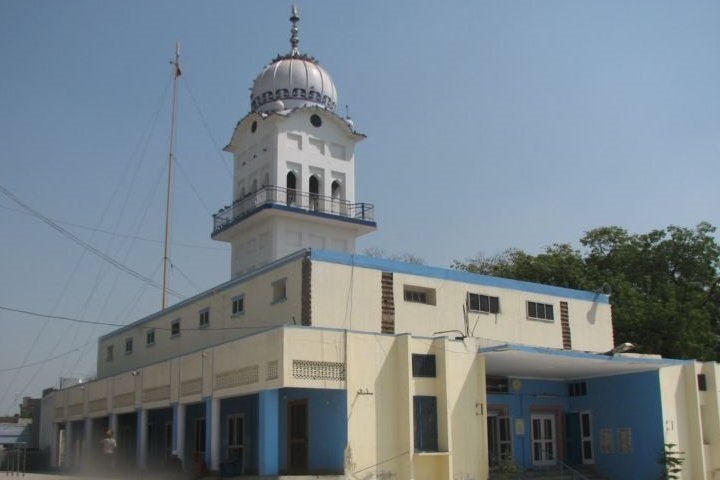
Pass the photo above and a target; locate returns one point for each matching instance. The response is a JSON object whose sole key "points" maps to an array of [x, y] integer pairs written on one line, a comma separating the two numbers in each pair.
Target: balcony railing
{"points": [[293, 200]]}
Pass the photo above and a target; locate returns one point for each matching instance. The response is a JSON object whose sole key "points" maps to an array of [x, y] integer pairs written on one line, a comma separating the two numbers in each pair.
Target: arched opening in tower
{"points": [[291, 185], [314, 193]]}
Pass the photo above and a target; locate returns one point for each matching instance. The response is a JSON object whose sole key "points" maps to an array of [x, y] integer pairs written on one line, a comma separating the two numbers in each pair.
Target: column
{"points": [[179, 431], [212, 433], [113, 423], [87, 454], [269, 430], [68, 447], [54, 445], [142, 438]]}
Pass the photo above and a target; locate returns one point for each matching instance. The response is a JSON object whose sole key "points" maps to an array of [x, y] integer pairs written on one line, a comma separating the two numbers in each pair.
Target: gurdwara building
{"points": [[315, 361]]}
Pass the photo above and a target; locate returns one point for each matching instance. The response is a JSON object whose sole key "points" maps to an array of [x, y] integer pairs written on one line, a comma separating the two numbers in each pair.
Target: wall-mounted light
{"points": [[622, 348], [135, 373]]}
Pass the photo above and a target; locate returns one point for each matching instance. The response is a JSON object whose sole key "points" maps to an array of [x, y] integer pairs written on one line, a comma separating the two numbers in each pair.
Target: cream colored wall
{"points": [[379, 406], [351, 298], [681, 417], [590, 323], [346, 297], [378, 381], [260, 313]]}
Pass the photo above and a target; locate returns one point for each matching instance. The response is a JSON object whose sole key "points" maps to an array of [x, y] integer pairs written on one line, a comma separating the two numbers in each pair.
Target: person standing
{"points": [[109, 445]]}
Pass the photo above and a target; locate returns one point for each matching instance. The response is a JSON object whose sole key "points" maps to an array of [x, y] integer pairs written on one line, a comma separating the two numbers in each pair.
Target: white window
{"points": [[540, 311], [128, 345], [150, 337], [238, 305], [204, 318], [175, 328], [483, 303], [279, 290]]}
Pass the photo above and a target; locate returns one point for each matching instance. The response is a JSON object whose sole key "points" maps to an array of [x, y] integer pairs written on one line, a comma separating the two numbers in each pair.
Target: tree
{"points": [[665, 292]]}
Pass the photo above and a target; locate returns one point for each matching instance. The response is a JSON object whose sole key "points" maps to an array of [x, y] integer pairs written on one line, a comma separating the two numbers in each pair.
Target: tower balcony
{"points": [[290, 200]]}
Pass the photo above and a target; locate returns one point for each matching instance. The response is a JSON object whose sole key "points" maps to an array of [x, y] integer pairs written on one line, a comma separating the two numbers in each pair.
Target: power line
{"points": [[84, 244], [110, 324], [40, 362], [121, 235]]}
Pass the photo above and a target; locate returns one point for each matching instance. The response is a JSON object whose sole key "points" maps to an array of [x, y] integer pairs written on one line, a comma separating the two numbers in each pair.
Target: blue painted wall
{"points": [[532, 394], [633, 401], [621, 401], [247, 406], [327, 427]]}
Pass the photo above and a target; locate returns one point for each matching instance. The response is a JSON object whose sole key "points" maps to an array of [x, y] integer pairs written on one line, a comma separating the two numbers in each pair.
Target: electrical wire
{"points": [[84, 244], [146, 327], [121, 235]]}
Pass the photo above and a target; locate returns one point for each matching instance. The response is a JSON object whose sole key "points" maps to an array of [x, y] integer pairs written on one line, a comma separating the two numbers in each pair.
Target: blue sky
{"points": [[491, 124]]}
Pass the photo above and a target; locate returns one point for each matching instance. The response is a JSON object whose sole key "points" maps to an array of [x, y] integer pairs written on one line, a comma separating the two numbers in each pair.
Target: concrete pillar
{"points": [[212, 433], [54, 435], [142, 438], [179, 431], [69, 447], [269, 431], [113, 423], [214, 437], [87, 454]]}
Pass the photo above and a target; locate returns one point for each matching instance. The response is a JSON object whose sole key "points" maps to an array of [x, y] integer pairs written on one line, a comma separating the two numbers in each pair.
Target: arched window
{"points": [[337, 197], [266, 180], [291, 185], [336, 190], [254, 185], [314, 193]]}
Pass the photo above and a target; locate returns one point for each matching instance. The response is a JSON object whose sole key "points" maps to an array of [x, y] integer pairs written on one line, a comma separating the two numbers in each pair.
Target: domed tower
{"points": [[294, 167]]}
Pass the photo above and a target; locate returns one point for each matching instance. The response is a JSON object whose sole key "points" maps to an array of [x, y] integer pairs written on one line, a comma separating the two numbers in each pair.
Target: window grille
{"points": [[311, 370]]}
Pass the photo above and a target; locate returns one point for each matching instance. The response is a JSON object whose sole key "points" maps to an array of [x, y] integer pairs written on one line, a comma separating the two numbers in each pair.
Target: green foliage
{"points": [[671, 460], [665, 283], [506, 468]]}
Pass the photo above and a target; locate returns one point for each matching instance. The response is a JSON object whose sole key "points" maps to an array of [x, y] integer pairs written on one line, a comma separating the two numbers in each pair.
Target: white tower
{"points": [[294, 168]]}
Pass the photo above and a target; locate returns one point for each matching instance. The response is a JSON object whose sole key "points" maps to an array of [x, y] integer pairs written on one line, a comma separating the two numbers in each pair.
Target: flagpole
{"points": [[171, 160]]}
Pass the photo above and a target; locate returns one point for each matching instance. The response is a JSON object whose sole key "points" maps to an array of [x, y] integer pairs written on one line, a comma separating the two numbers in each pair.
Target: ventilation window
{"points": [[315, 120], [423, 365], [150, 337], [419, 295], [204, 318], [109, 353], [238, 305], [279, 290], [175, 328], [128, 345], [253, 127], [702, 382], [483, 303], [577, 389], [497, 384]]}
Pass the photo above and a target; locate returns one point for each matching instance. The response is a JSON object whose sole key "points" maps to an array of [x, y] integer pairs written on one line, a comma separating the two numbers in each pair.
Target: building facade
{"points": [[312, 360]]}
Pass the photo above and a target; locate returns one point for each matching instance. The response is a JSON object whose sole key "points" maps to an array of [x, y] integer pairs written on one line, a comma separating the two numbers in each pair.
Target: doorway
{"points": [[499, 438], [298, 435], [544, 445]]}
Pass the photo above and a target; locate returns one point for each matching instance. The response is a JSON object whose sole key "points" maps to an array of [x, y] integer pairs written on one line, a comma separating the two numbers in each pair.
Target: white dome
{"points": [[295, 80]]}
